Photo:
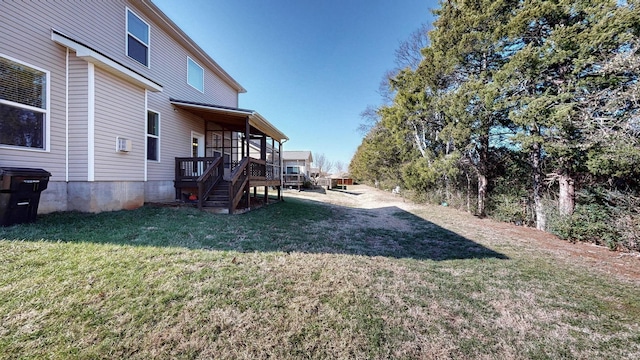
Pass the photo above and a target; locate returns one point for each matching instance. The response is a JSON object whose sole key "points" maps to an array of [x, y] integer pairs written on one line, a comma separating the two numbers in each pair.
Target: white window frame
{"points": [[189, 62], [127, 33], [46, 111], [293, 167], [153, 136]]}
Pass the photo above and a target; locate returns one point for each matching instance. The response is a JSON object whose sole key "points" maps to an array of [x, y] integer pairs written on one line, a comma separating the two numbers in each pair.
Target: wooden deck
{"points": [[295, 180], [202, 180]]}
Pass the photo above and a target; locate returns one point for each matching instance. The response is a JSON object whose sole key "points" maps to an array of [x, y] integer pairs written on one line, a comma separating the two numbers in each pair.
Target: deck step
{"points": [[214, 203], [219, 197]]}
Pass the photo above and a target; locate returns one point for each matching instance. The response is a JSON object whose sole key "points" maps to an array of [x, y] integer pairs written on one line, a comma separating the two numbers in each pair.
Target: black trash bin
{"points": [[20, 190]]}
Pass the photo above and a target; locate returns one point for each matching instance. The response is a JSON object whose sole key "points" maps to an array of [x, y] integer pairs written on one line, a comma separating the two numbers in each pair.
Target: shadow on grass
{"points": [[346, 191], [291, 226]]}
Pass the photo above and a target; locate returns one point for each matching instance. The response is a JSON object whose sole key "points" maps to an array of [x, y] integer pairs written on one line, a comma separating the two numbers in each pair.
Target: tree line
{"points": [[523, 110]]}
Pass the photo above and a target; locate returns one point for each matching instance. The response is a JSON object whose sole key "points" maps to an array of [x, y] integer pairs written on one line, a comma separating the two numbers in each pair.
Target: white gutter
{"points": [[104, 62]]}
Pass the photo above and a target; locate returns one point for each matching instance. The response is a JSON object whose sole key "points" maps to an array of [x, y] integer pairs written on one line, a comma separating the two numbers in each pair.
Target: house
{"points": [[123, 108], [341, 180], [296, 166]]}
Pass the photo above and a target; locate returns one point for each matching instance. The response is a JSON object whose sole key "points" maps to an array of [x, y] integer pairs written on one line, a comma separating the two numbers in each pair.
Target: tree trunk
{"points": [[482, 194], [447, 190], [541, 219], [483, 158], [468, 192], [567, 195]]}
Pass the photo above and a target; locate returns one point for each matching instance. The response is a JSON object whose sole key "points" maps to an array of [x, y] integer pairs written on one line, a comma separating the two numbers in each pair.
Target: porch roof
{"points": [[232, 118]]}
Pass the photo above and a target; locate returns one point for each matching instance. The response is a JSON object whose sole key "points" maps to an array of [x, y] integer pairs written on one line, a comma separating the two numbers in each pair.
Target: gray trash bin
{"points": [[20, 190]]}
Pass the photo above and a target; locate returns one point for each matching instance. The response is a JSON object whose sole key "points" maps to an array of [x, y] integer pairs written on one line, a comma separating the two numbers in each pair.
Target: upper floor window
{"points": [[23, 104], [153, 135], [137, 38], [195, 75]]}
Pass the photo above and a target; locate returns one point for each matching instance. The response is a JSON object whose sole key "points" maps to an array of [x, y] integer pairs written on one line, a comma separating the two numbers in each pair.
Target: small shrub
{"points": [[508, 208], [589, 223], [628, 225]]}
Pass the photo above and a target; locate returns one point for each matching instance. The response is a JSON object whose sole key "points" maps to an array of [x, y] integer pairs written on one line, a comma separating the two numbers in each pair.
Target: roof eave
{"points": [[266, 127], [255, 119]]}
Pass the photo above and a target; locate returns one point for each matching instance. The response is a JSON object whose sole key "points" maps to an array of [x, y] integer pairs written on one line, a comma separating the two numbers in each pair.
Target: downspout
{"points": [[146, 131], [91, 123], [66, 120]]}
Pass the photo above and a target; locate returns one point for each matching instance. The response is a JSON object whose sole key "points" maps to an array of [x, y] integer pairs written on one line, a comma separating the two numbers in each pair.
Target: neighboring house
{"points": [[122, 108], [341, 179], [296, 166]]}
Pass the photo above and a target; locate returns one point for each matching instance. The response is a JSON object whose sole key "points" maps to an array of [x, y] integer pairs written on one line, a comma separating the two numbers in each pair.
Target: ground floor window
{"points": [[153, 136], [23, 104]]}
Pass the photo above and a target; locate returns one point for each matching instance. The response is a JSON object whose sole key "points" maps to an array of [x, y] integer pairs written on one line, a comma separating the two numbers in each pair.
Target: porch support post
{"points": [[247, 191], [280, 170], [273, 149], [247, 134], [263, 148]]}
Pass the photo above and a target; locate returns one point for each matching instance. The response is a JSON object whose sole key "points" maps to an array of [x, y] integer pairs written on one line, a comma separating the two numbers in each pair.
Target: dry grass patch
{"points": [[177, 283]]}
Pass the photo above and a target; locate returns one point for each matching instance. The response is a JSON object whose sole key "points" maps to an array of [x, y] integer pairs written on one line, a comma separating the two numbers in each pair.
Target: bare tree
{"points": [[339, 165], [323, 165], [370, 118], [409, 52], [408, 55]]}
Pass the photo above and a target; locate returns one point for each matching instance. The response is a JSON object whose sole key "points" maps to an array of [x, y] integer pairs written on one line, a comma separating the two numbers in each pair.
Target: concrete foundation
{"points": [[54, 198], [104, 196], [159, 191], [97, 196]]}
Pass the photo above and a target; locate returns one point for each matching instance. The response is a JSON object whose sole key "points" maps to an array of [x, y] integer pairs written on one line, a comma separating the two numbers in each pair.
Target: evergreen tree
{"points": [[560, 46], [469, 40]]}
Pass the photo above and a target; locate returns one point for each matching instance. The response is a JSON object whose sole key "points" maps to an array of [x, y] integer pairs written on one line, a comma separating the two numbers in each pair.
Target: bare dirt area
{"points": [[625, 266]]}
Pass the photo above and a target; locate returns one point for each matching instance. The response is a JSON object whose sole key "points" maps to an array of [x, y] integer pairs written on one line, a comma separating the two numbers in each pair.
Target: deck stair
{"points": [[219, 197]]}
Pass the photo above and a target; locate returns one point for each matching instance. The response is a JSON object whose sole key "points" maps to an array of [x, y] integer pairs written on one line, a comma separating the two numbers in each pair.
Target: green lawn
{"points": [[297, 280]]}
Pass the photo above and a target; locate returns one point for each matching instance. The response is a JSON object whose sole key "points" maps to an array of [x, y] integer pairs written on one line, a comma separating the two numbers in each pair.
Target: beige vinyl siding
{"points": [[47, 56], [166, 53], [175, 137], [78, 118], [176, 126], [101, 25], [119, 112]]}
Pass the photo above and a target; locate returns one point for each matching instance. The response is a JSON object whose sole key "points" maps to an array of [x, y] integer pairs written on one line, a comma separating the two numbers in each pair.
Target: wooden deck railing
{"points": [[190, 169], [297, 179], [238, 183], [208, 180], [273, 172], [202, 174], [257, 169]]}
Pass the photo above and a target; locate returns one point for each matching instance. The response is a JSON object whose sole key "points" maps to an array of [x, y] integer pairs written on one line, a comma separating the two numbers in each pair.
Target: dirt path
{"points": [[621, 265]]}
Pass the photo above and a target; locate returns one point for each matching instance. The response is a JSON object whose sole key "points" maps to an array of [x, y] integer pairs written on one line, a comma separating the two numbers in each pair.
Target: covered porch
{"points": [[240, 150]]}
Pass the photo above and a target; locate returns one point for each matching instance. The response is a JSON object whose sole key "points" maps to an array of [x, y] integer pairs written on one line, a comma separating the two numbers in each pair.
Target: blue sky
{"points": [[309, 67]]}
